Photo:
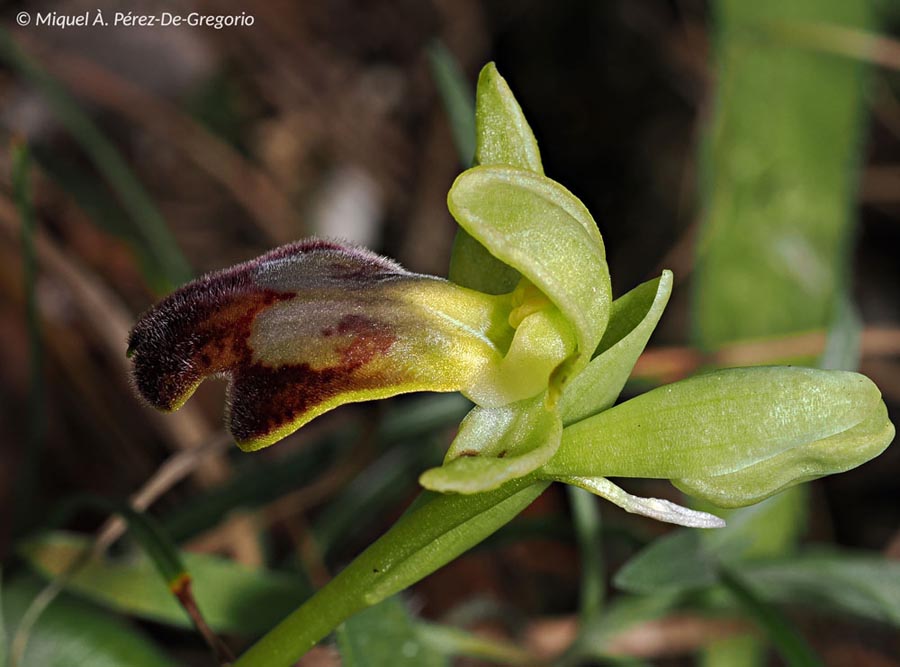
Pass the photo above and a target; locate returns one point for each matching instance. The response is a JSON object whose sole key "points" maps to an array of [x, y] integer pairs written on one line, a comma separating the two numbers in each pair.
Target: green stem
{"points": [[423, 540], [586, 519]]}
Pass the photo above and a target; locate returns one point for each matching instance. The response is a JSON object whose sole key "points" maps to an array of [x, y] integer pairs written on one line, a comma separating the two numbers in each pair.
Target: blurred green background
{"points": [[753, 148]]}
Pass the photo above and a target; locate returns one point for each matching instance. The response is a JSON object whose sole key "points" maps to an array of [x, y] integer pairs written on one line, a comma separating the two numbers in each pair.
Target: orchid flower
{"points": [[526, 328]]}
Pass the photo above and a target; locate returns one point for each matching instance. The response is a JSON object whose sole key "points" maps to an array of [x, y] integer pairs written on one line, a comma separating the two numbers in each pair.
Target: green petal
{"points": [[810, 461], [542, 341], [633, 318], [495, 445], [311, 326], [502, 136], [655, 508], [541, 229], [724, 422]]}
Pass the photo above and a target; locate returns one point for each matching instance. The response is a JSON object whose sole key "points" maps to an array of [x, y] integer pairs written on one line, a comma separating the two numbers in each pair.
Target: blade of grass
{"points": [[792, 647], [458, 98], [195, 135], [588, 529], [855, 43], [170, 267], [28, 474]]}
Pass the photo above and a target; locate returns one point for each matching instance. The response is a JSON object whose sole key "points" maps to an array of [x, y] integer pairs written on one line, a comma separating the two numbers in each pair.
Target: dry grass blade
{"points": [[110, 321], [250, 187], [677, 634], [850, 42], [673, 363]]}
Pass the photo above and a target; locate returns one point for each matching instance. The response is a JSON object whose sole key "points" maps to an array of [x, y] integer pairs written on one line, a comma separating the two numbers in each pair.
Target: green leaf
{"points": [[632, 320], [674, 563], [541, 229], [729, 424], [779, 170], [385, 635], [865, 585], [790, 644], [502, 136], [495, 445], [73, 633], [770, 527], [688, 559], [232, 598]]}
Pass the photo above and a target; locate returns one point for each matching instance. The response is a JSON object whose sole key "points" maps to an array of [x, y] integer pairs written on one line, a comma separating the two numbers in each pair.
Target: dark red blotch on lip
{"points": [[263, 398], [204, 328]]}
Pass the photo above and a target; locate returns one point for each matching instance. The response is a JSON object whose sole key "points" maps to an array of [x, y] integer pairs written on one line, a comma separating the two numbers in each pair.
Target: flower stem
{"points": [[434, 532]]}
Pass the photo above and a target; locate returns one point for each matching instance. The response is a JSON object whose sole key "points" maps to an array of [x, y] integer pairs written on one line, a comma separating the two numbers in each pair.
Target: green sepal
{"points": [[731, 421], [805, 463], [632, 320], [502, 136], [495, 445], [472, 266], [541, 229]]}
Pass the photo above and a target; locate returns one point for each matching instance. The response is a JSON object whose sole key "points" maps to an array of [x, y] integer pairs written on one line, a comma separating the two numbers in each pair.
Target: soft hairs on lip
{"points": [[302, 329], [205, 328]]}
